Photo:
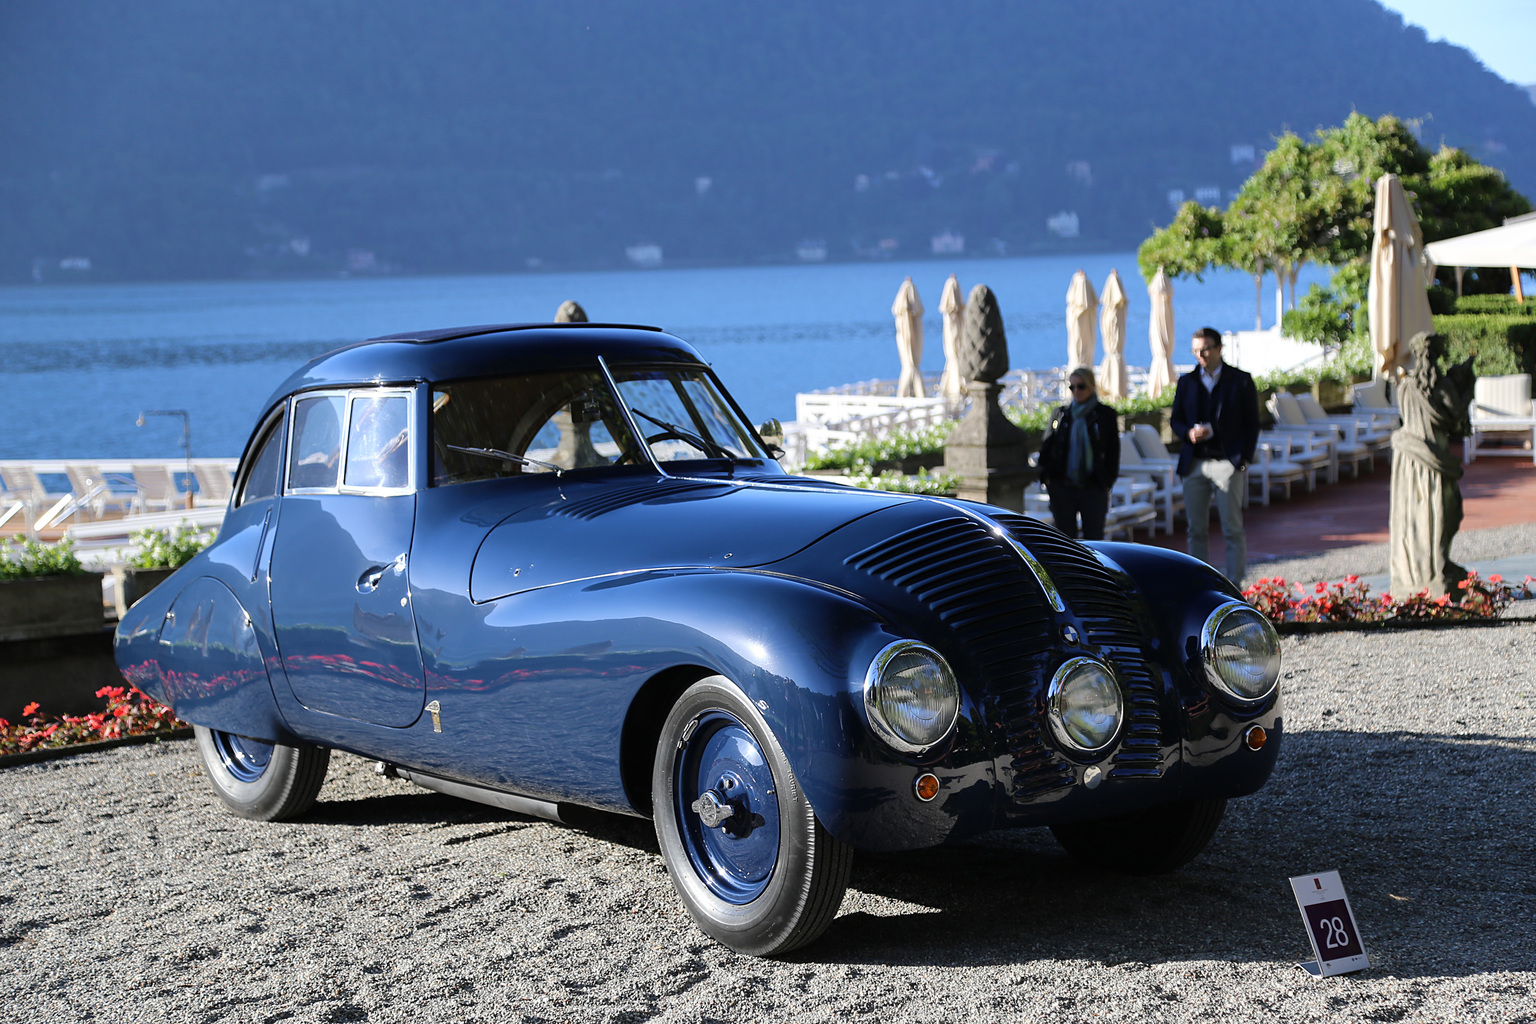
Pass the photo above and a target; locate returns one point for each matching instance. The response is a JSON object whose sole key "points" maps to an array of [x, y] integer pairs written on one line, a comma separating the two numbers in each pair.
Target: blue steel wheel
{"points": [[742, 845], [722, 764], [245, 759], [260, 780]]}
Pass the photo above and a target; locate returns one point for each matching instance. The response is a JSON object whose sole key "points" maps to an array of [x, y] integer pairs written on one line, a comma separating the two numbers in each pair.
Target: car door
{"points": [[341, 599]]}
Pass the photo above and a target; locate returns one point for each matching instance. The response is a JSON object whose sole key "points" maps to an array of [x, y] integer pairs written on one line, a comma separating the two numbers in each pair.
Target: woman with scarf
{"points": [[1080, 459]]}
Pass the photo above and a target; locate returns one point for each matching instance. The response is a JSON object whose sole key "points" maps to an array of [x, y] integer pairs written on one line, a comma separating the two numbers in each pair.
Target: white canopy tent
{"points": [[1513, 245]]}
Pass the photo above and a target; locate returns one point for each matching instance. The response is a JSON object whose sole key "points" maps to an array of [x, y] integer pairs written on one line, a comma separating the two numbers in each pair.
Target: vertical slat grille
{"points": [[1093, 594], [978, 587]]}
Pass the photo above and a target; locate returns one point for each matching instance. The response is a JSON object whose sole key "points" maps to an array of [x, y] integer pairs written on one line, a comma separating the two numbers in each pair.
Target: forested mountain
{"points": [[191, 138]]}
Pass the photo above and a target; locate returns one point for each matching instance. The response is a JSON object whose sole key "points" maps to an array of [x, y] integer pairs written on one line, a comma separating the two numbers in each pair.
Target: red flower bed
{"points": [[128, 713], [1352, 601]]}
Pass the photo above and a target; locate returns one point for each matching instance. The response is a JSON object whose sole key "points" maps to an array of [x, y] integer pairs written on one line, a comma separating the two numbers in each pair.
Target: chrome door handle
{"points": [[369, 580]]}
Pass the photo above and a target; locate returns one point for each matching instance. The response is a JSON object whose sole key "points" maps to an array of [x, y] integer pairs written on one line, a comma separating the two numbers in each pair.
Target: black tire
{"points": [[262, 781], [763, 897], [1152, 841]]}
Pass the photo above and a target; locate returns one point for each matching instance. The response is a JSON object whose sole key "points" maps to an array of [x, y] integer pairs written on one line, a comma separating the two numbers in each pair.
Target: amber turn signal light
{"points": [[1255, 737], [926, 786]]}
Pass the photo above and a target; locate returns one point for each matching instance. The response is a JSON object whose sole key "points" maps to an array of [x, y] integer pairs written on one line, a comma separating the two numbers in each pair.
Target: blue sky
{"points": [[1502, 33]]}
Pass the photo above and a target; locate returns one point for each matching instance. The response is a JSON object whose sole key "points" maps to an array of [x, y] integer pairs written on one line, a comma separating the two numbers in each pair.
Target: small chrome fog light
{"points": [[926, 787], [1255, 737], [1085, 706]]}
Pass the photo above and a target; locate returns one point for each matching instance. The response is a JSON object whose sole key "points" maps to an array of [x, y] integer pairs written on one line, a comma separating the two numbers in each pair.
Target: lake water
{"points": [[81, 361]]}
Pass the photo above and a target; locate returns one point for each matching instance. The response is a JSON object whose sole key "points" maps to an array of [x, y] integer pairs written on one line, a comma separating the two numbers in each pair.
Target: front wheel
{"points": [[262, 781], [1151, 841], [742, 845]]}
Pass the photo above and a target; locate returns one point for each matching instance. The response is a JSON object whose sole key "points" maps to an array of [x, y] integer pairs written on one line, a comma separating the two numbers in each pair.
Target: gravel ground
{"points": [[1409, 766]]}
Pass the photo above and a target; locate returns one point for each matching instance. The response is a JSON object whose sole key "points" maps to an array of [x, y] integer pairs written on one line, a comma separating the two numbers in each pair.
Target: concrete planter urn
{"points": [[46, 606], [133, 583]]}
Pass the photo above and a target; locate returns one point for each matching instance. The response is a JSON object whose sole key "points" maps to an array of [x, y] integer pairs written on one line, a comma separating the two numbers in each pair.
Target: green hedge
{"points": [[1502, 343], [1505, 304]]}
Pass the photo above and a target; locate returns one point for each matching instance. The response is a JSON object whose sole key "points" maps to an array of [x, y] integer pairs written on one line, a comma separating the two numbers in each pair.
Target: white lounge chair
{"points": [[1375, 436], [96, 492], [215, 480], [1502, 411], [158, 485], [1130, 506], [1168, 497], [1272, 467], [1372, 399], [1343, 449]]}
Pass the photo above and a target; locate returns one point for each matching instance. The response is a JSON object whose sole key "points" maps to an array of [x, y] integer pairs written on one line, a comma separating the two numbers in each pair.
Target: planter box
{"points": [[48, 606], [1157, 419], [1332, 395], [133, 584]]}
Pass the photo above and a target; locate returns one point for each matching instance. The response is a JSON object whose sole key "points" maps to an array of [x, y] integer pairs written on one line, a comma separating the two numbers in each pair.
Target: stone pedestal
{"points": [[988, 453]]}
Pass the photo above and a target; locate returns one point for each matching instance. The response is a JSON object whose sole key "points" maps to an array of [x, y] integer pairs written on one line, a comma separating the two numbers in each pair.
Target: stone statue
{"points": [[1426, 499], [985, 450], [570, 312]]}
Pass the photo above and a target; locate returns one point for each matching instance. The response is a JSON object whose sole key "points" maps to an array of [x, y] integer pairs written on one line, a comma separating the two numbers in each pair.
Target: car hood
{"points": [[590, 530]]}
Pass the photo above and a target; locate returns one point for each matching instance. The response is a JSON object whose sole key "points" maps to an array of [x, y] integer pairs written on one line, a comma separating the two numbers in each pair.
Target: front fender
{"points": [[800, 652], [1216, 761]]}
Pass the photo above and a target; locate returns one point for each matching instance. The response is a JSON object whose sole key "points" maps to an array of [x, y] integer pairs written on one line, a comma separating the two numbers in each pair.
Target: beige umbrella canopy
{"points": [[1080, 309], [1397, 297], [1112, 304], [908, 311], [1160, 333], [952, 308]]}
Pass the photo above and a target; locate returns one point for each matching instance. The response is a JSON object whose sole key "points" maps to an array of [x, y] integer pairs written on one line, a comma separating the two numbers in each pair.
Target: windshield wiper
{"points": [[497, 453], [703, 444]]}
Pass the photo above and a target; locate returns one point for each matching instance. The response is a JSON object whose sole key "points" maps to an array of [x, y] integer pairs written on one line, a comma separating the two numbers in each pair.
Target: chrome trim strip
{"points": [[514, 802], [634, 428], [1030, 561]]}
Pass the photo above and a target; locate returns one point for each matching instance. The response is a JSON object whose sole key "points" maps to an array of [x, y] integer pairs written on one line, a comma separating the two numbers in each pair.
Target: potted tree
{"points": [[46, 592]]}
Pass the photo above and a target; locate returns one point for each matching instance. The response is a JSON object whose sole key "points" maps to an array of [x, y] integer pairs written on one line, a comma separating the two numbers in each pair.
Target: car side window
{"points": [[261, 480], [316, 452], [378, 442]]}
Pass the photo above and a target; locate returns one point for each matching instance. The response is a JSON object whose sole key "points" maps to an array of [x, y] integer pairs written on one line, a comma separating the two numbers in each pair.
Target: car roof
{"points": [[487, 350]]}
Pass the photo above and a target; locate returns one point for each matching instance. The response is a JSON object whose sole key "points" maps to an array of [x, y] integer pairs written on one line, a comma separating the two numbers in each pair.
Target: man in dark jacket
{"points": [[1080, 459], [1216, 415]]}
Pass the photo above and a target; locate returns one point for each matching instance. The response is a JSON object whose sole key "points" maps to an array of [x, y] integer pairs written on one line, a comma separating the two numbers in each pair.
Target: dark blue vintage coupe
{"points": [[551, 566]]}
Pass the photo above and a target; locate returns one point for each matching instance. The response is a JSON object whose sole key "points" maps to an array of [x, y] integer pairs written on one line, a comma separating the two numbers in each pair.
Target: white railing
{"points": [[869, 409]]}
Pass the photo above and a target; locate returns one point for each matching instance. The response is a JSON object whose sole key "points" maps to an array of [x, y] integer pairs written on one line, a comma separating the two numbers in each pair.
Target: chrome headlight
{"points": [[910, 696], [1241, 650], [1085, 706]]}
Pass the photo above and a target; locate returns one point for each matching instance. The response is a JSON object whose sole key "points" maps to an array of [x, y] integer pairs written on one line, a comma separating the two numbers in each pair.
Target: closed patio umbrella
{"points": [[952, 308], [1160, 334], [1112, 305], [1081, 302], [908, 311], [1397, 298]]}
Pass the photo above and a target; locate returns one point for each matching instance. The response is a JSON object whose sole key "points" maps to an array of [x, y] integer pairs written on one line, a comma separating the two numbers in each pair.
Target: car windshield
{"points": [[533, 423], [683, 415]]}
